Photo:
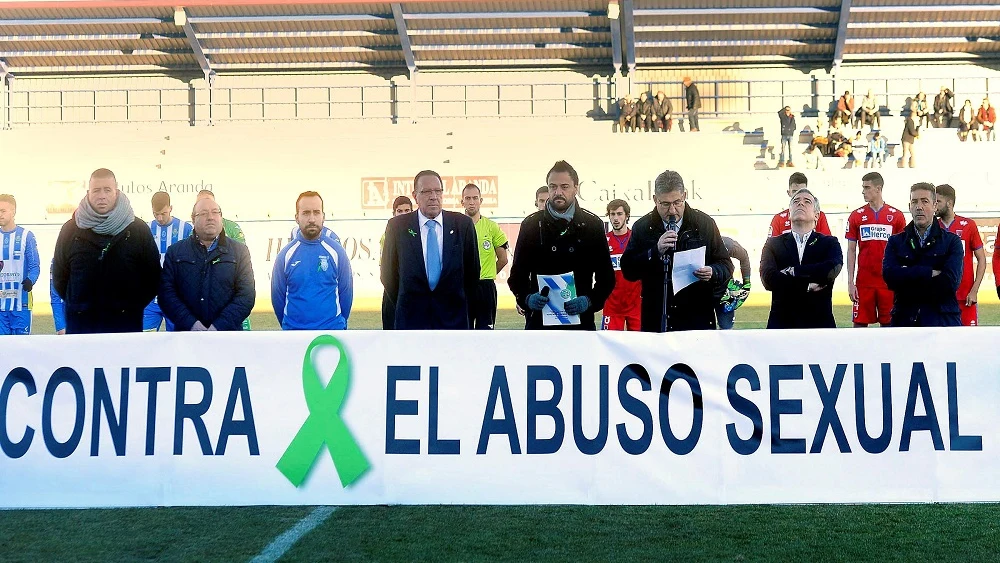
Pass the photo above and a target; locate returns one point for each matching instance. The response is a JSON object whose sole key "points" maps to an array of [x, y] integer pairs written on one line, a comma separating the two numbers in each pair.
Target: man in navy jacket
{"points": [[207, 281], [923, 266], [799, 268]]}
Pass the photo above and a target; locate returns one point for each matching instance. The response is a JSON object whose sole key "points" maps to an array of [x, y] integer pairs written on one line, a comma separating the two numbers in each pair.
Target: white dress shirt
{"points": [[422, 221], [800, 242]]}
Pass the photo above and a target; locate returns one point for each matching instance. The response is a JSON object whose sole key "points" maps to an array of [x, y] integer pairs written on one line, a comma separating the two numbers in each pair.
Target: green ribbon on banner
{"points": [[324, 426]]}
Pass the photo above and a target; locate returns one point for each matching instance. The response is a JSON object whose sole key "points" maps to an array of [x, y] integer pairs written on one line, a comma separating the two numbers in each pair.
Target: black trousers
{"points": [[388, 313], [483, 306]]}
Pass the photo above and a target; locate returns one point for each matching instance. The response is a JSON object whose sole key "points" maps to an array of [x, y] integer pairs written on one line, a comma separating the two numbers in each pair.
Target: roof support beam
{"points": [[616, 34], [628, 31], [838, 49], [404, 38], [7, 85], [181, 20]]}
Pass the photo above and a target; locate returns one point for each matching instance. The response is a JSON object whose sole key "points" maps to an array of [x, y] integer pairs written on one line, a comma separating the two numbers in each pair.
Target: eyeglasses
{"points": [[204, 214], [672, 204], [434, 191]]}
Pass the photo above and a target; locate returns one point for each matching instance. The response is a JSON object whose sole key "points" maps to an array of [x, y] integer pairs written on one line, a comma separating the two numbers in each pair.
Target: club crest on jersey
{"points": [[324, 263], [888, 217], [487, 245]]}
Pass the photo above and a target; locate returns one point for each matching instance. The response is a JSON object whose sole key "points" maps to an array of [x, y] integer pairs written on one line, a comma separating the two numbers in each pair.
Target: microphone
{"points": [[545, 291], [672, 224]]}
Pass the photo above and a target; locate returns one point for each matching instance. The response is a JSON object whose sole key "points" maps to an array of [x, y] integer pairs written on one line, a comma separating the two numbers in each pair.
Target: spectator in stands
{"points": [[858, 147], [781, 223], [693, 103], [672, 226], [911, 132], [799, 269], [106, 267], [868, 229], [736, 292], [663, 112], [923, 266], [845, 109], [19, 270], [968, 122], [233, 231], [167, 230], [541, 197], [972, 245], [944, 108], [869, 112], [312, 286], [814, 155], [788, 129], [645, 110], [563, 238], [623, 309], [430, 264], [492, 244], [208, 281], [400, 206], [987, 117], [878, 150], [923, 110], [626, 114]]}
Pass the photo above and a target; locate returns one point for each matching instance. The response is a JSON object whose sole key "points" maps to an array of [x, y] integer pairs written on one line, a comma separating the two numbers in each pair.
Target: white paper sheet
{"points": [[685, 263]]}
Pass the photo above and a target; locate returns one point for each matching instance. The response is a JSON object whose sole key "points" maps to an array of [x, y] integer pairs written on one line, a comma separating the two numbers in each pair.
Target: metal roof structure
{"points": [[39, 37]]}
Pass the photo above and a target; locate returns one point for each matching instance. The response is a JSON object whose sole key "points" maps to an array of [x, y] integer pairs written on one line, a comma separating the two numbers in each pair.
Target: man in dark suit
{"points": [[799, 268], [430, 262], [923, 266]]}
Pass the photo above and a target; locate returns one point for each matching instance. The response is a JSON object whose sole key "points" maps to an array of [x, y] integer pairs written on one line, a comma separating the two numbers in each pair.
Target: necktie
{"points": [[433, 255]]}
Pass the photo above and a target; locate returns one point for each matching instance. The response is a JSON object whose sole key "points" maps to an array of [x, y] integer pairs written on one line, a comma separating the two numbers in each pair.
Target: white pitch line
{"points": [[285, 541]]}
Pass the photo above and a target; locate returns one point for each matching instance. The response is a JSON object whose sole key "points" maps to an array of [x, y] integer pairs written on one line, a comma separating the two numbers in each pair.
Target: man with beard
{"points": [[492, 245], [623, 309], [972, 245], [312, 287], [562, 239], [923, 266], [106, 266]]}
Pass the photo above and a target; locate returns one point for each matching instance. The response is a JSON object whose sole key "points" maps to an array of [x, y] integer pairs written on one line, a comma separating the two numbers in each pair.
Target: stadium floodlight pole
{"points": [[181, 20]]}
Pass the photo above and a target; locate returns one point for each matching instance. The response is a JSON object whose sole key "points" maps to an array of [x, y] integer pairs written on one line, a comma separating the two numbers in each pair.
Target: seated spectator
{"points": [[834, 140], [626, 114], [944, 108], [645, 109], [814, 155], [878, 150], [987, 117], [869, 112], [923, 110], [662, 112], [967, 122], [858, 146], [845, 109]]}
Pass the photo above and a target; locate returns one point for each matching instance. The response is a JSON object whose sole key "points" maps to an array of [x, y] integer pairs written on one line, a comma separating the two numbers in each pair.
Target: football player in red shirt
{"points": [[622, 310], [972, 244], [782, 223], [868, 230]]}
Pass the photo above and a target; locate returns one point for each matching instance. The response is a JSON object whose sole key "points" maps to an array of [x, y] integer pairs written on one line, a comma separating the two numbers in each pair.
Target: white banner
{"points": [[303, 418]]}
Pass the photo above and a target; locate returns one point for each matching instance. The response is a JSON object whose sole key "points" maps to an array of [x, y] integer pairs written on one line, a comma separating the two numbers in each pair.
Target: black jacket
{"points": [[662, 108], [693, 308], [787, 123], [645, 109], [626, 109], [105, 281], [922, 299], [792, 305], [910, 130], [692, 96], [216, 288], [548, 245]]}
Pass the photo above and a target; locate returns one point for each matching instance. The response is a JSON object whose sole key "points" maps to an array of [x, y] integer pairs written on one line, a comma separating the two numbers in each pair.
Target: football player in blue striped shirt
{"points": [[166, 230], [19, 270]]}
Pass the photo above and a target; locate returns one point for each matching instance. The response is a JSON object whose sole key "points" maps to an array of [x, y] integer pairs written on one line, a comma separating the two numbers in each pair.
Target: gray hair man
{"points": [[672, 227], [799, 269]]}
